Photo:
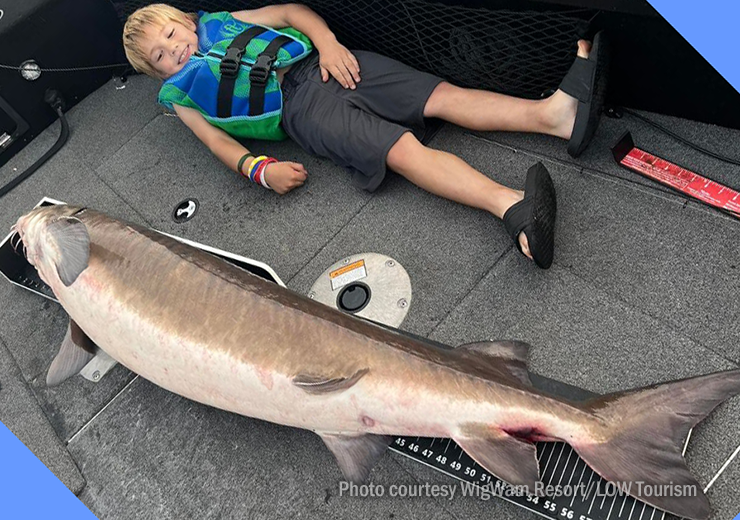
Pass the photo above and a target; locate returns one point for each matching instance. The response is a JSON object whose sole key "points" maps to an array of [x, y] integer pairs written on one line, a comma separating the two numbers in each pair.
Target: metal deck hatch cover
{"points": [[368, 285]]}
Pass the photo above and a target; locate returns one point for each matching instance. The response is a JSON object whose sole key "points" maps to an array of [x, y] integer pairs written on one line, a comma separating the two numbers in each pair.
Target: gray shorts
{"points": [[356, 128]]}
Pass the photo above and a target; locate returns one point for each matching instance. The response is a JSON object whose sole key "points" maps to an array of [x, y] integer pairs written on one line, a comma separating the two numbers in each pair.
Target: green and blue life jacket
{"points": [[196, 85]]}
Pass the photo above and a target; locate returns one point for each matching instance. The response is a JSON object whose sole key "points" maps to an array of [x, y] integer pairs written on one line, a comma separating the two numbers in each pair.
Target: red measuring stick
{"points": [[672, 175]]}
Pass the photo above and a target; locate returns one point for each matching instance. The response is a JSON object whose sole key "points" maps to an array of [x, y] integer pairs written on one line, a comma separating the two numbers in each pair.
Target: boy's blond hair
{"points": [[154, 15]]}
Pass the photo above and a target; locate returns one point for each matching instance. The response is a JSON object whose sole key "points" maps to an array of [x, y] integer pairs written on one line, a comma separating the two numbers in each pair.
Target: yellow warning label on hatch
{"points": [[347, 274]]}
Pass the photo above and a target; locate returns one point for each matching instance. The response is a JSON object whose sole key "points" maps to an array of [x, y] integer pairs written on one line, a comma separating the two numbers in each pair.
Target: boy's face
{"points": [[168, 47]]}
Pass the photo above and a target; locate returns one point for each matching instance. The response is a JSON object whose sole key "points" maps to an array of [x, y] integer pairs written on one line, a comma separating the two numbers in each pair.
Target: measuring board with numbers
{"points": [[692, 184], [560, 467]]}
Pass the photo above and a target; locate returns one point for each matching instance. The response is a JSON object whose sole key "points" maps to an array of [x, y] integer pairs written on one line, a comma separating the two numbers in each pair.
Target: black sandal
{"points": [[586, 81], [535, 216]]}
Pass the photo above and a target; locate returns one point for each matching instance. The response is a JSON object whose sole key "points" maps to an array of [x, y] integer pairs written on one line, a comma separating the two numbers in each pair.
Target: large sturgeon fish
{"points": [[209, 331]]}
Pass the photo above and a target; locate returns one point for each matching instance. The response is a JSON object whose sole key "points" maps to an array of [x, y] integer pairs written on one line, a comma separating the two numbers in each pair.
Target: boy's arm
{"points": [[281, 176], [334, 58]]}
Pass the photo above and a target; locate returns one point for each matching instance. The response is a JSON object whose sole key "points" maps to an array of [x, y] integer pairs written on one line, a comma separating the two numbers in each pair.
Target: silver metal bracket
{"points": [[98, 366]]}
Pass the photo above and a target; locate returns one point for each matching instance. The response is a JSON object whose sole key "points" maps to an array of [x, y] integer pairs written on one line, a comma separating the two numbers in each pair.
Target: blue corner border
{"points": [[29, 490], [711, 27]]}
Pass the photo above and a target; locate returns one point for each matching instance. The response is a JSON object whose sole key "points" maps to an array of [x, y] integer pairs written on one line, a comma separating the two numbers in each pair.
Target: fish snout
{"points": [[16, 237], [24, 223], [17, 234], [26, 230], [19, 225]]}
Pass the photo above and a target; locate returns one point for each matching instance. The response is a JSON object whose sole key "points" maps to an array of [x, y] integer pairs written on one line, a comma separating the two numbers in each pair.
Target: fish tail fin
{"points": [[643, 437]]}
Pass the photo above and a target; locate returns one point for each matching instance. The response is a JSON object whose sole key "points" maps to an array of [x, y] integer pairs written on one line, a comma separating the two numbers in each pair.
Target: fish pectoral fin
{"points": [[73, 248], [508, 458], [319, 385], [356, 455], [506, 358], [76, 351]]}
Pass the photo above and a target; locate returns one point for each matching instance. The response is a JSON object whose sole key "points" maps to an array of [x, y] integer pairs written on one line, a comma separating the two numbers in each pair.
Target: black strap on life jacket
{"points": [[260, 72], [229, 69], [258, 75]]}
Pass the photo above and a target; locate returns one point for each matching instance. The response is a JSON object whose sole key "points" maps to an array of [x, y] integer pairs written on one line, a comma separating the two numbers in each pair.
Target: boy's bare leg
{"points": [[488, 111], [450, 177]]}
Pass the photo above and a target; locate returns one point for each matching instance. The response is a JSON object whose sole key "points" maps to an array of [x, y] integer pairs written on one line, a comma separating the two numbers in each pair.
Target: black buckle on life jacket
{"points": [[229, 67], [260, 71]]}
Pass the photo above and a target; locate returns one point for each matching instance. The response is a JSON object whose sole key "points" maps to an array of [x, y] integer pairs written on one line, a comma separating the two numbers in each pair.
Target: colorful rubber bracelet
{"points": [[258, 169], [260, 172], [254, 162], [257, 173], [241, 162], [263, 168], [255, 169]]}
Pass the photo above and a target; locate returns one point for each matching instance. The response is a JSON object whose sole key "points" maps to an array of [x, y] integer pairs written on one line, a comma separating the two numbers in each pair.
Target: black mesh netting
{"points": [[521, 53]]}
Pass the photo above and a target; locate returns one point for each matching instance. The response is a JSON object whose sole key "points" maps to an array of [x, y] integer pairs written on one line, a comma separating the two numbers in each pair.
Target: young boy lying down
{"points": [[286, 75]]}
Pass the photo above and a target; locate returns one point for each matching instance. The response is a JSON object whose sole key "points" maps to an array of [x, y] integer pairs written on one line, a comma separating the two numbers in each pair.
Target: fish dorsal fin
{"points": [[508, 458], [73, 248], [509, 350], [508, 358], [356, 455], [319, 385], [76, 351]]}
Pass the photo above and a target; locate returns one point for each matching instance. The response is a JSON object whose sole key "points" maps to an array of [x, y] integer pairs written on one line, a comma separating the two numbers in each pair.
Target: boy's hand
{"points": [[336, 60], [284, 176]]}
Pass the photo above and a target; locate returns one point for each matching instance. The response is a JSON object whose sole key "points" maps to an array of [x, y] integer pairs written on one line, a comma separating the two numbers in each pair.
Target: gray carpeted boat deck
{"points": [[644, 289]]}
